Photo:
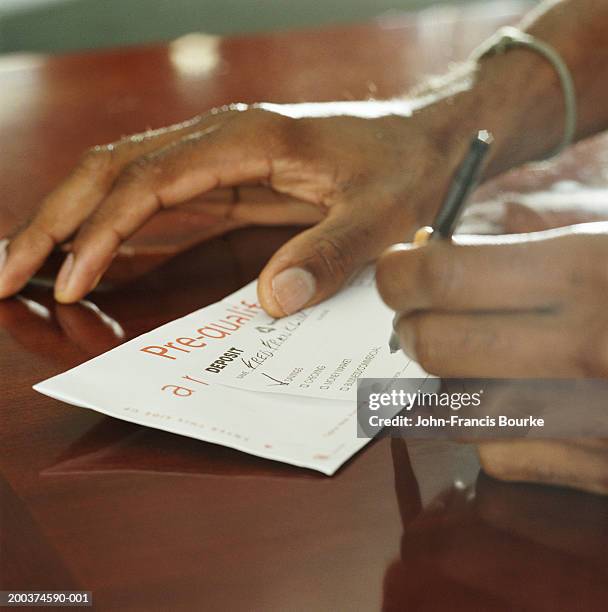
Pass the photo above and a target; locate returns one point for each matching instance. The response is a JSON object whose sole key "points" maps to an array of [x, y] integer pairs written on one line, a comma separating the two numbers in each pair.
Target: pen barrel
{"points": [[463, 183]]}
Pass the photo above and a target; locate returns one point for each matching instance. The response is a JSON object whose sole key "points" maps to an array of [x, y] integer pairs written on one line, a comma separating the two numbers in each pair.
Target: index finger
{"points": [[67, 206], [520, 272], [196, 164]]}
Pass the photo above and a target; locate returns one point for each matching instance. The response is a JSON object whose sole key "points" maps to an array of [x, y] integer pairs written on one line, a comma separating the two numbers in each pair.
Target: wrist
{"points": [[522, 100], [515, 96]]}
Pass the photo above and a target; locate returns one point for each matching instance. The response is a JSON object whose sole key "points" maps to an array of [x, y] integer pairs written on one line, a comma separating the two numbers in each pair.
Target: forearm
{"points": [[518, 96]]}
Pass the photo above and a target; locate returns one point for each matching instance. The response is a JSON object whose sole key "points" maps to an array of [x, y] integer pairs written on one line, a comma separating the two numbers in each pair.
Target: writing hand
{"points": [[526, 305], [529, 305]]}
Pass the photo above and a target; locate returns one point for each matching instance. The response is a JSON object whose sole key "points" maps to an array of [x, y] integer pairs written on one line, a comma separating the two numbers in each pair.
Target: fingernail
{"points": [[63, 278], [293, 288], [3, 252]]}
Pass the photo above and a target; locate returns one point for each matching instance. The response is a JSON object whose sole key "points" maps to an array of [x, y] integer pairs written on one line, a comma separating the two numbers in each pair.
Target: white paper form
{"points": [[321, 351], [166, 379]]}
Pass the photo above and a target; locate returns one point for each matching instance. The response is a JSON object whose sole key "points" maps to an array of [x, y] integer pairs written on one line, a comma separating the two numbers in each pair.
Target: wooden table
{"points": [[147, 520]]}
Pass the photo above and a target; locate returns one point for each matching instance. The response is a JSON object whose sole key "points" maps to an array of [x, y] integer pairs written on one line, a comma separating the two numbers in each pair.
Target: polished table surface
{"points": [[147, 520]]}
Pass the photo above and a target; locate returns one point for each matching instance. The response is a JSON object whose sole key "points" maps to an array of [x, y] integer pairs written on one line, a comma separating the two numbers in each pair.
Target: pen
{"points": [[464, 181]]}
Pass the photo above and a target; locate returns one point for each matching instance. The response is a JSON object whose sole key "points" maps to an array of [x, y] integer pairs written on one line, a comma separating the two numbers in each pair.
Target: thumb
{"points": [[316, 263]]}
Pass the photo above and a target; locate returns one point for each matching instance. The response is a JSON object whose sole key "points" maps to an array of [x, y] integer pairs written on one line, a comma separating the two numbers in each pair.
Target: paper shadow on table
{"points": [[114, 446]]}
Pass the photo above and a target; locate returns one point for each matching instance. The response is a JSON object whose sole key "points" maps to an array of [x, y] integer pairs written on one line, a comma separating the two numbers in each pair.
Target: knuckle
{"points": [[35, 234], [254, 117], [97, 160], [257, 112], [235, 107], [253, 111], [395, 277], [440, 276], [291, 135], [138, 170], [271, 127], [336, 256]]}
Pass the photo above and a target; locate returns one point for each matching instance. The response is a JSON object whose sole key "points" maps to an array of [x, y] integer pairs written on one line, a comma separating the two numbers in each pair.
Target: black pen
{"points": [[464, 181]]}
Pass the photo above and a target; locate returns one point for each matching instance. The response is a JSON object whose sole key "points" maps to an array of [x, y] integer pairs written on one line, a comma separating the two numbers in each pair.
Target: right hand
{"points": [[367, 180], [521, 306]]}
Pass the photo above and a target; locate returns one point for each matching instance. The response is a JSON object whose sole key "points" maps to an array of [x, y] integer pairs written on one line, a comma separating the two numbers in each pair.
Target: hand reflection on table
{"points": [[66, 334], [474, 547], [115, 446], [36, 323]]}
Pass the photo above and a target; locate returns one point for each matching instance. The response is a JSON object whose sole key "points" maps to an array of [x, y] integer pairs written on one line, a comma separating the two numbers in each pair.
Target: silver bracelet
{"points": [[507, 38]]}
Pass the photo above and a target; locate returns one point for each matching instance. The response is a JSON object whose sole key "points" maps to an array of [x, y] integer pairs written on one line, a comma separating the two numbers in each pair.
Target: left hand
{"points": [[358, 172]]}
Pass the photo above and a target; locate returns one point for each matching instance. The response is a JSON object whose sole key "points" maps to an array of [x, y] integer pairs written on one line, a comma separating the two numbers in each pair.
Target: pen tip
{"points": [[485, 137]]}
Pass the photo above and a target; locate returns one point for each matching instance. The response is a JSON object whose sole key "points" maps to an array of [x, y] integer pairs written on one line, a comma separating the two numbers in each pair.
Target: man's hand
{"points": [[368, 172], [363, 177], [526, 305]]}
